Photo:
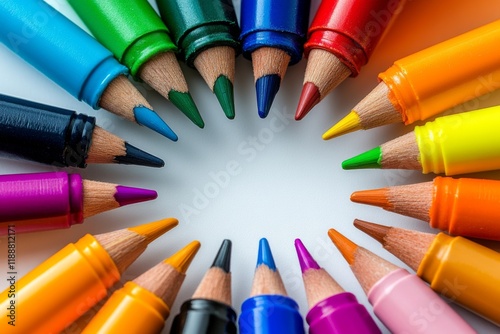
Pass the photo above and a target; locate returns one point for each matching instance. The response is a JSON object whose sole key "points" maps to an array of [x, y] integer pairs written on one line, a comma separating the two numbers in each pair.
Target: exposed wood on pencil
{"points": [[98, 197], [215, 285], [401, 153], [269, 61], [105, 147], [319, 285], [325, 70], [267, 282], [214, 62], [376, 108]]}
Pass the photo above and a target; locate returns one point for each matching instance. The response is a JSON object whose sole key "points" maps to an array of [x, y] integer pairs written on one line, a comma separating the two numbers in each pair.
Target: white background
{"points": [[288, 184]]}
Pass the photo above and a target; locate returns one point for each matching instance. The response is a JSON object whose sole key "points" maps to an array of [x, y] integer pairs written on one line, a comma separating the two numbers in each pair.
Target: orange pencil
{"points": [[69, 283], [465, 207], [460, 269], [430, 81]]}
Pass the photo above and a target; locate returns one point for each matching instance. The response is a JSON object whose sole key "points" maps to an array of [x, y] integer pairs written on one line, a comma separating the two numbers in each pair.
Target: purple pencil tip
{"points": [[129, 195], [305, 259]]}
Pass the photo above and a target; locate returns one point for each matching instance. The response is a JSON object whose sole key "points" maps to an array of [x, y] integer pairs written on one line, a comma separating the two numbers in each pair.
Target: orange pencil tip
{"points": [[376, 231], [183, 258], [345, 246], [155, 229], [376, 197]]}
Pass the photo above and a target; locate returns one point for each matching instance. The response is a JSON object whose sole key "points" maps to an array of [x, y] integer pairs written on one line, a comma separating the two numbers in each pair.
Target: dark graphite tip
{"points": [[266, 88], [223, 258], [135, 156]]}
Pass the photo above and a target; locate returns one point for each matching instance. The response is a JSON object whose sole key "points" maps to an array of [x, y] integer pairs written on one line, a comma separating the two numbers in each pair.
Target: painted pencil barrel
{"points": [[134, 33], [462, 143], [351, 29], [274, 23], [341, 313], [61, 289], [204, 316], [58, 48], [446, 74], [43, 133], [40, 201], [466, 207], [465, 272], [132, 309], [268, 314], [421, 310], [197, 25]]}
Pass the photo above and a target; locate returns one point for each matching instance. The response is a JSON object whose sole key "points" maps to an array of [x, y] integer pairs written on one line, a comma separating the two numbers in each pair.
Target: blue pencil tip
{"points": [[266, 88], [148, 118], [265, 256]]}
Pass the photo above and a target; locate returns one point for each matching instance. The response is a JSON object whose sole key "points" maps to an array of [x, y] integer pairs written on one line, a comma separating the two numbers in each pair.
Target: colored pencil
{"points": [[143, 305], [74, 279], [206, 33], [331, 309], [52, 200], [75, 61], [400, 300], [139, 40], [269, 309], [209, 311], [272, 36], [341, 39], [464, 207], [428, 82], [61, 137], [461, 270], [454, 144]]}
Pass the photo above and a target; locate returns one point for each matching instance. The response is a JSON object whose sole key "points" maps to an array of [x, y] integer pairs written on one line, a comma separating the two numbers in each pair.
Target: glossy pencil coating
{"points": [[135, 308], [74, 279]]}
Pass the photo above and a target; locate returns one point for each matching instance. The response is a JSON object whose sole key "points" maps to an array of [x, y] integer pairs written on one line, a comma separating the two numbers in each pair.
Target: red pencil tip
{"points": [[308, 99]]}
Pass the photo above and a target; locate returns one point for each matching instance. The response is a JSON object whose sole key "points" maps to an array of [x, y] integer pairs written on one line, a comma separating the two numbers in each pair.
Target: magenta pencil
{"points": [[54, 200]]}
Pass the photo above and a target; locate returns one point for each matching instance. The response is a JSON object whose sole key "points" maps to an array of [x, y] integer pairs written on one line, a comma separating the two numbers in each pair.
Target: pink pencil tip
{"points": [[305, 259], [129, 195]]}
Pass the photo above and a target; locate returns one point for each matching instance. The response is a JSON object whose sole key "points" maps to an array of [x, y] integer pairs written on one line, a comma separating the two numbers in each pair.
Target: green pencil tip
{"points": [[223, 89], [369, 159], [184, 102]]}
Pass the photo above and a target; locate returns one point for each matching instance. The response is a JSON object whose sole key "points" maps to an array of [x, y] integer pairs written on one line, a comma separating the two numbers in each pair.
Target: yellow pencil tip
{"points": [[350, 123], [182, 259], [345, 246], [155, 229]]}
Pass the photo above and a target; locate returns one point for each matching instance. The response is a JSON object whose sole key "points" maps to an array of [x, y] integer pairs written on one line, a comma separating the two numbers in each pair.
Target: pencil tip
{"points": [[368, 159], [345, 246], [223, 258], [135, 156], [306, 260], [349, 123], [129, 195], [376, 231], [223, 90], [155, 229], [184, 102], [148, 118], [182, 259], [265, 256], [376, 197], [266, 88], [308, 99]]}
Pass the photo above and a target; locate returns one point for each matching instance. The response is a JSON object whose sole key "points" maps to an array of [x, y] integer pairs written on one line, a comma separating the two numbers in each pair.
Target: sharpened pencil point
{"points": [[369, 159], [349, 123], [223, 258], [376, 197], [308, 99], [155, 229], [345, 246], [376, 231], [148, 118], [184, 102], [266, 88], [223, 89], [135, 156], [265, 256], [129, 195], [182, 259], [305, 258]]}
